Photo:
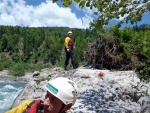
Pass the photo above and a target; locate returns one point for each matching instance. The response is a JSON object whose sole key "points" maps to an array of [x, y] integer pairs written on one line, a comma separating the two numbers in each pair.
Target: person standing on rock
{"points": [[69, 50], [61, 96]]}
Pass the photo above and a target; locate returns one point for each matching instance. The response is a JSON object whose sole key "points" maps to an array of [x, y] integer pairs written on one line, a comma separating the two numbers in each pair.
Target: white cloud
{"points": [[7, 19], [88, 12], [46, 14]]}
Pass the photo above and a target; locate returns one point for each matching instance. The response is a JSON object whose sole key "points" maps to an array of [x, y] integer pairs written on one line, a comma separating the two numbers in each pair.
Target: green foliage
{"points": [[126, 49], [131, 10], [30, 49], [67, 3], [17, 70], [3, 42], [5, 64], [42, 79], [136, 44]]}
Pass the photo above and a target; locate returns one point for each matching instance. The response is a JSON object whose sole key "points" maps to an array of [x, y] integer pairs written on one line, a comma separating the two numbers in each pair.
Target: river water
{"points": [[8, 93]]}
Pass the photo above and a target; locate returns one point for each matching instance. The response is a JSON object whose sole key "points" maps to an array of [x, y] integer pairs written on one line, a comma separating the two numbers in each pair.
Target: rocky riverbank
{"points": [[115, 92]]}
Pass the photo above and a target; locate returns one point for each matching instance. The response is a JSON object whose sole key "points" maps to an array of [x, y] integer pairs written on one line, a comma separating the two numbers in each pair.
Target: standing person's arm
{"points": [[74, 44], [20, 108]]}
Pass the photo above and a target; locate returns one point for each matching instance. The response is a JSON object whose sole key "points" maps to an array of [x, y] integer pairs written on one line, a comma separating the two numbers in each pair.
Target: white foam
{"points": [[10, 87], [8, 93]]}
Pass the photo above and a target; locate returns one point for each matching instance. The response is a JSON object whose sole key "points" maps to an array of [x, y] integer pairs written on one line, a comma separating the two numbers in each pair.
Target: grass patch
{"points": [[42, 79], [20, 68]]}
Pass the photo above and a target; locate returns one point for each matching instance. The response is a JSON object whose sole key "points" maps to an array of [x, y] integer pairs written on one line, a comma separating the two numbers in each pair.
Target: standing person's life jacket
{"points": [[68, 42]]}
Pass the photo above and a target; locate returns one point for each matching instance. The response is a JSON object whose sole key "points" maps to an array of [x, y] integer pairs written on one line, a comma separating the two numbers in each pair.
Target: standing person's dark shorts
{"points": [[69, 50]]}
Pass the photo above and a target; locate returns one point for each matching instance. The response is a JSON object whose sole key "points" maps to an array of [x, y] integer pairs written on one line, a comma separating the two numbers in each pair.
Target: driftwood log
{"points": [[108, 53]]}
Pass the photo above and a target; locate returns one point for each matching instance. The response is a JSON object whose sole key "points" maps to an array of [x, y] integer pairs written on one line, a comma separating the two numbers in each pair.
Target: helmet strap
{"points": [[62, 108]]}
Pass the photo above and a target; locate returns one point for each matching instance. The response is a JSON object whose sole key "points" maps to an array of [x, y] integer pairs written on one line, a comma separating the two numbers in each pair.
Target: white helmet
{"points": [[69, 32], [64, 89]]}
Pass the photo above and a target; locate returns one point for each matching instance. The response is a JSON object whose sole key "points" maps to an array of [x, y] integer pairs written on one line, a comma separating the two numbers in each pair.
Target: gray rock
{"points": [[115, 92]]}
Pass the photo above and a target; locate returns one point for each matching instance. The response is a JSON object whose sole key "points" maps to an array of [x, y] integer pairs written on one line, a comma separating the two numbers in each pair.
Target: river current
{"points": [[8, 93]]}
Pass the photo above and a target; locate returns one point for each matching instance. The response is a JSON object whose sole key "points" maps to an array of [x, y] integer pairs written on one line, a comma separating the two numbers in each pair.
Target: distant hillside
{"points": [[26, 49]]}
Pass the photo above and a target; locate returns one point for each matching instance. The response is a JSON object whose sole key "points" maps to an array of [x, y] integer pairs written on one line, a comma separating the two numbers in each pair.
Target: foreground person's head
{"points": [[61, 95]]}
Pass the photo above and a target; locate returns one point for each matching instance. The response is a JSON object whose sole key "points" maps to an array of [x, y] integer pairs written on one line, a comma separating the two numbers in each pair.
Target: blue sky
{"points": [[44, 13]]}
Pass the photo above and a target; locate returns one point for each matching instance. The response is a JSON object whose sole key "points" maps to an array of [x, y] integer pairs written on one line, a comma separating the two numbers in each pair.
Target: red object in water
{"points": [[100, 74]]}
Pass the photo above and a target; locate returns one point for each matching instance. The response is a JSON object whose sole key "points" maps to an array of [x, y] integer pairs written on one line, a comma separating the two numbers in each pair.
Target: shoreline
{"points": [[4, 76]]}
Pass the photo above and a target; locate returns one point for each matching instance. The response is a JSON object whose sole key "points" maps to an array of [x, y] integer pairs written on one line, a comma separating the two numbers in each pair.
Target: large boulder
{"points": [[118, 91]]}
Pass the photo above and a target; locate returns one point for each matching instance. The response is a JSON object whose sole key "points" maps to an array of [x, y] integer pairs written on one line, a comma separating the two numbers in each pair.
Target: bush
{"points": [[17, 70]]}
